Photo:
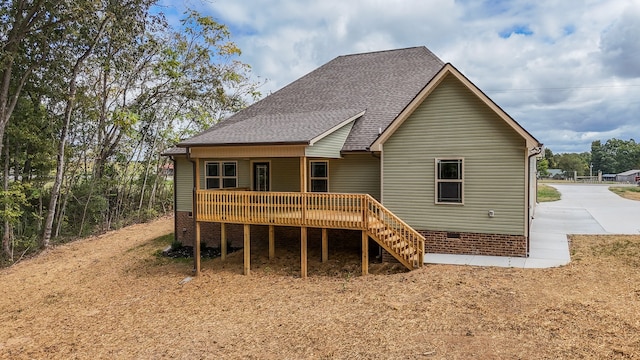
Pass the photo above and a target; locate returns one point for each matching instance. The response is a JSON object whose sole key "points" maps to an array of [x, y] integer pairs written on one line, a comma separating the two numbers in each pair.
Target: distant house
{"points": [[630, 176], [167, 170], [557, 174], [608, 177], [395, 148]]}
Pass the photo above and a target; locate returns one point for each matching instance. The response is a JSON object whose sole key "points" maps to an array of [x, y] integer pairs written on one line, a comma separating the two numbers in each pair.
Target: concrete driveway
{"points": [[583, 209], [590, 209]]}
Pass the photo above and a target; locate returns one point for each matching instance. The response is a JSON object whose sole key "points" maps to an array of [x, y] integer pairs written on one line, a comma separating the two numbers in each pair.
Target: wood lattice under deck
{"points": [[318, 210]]}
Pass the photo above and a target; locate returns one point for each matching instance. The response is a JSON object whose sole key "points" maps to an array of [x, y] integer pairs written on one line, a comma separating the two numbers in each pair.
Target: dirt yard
{"points": [[113, 297]]}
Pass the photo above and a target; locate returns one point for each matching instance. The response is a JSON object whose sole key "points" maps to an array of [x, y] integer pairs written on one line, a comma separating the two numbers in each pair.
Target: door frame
{"points": [[253, 172]]}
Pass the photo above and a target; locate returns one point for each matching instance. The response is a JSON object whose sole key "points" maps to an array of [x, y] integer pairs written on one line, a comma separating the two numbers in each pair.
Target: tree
{"points": [[551, 158], [615, 156], [543, 167], [111, 87], [85, 35], [26, 29], [572, 162]]}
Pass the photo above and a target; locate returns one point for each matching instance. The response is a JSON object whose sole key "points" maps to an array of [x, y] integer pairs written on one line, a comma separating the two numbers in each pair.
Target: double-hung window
{"points": [[319, 178], [219, 175], [449, 181]]}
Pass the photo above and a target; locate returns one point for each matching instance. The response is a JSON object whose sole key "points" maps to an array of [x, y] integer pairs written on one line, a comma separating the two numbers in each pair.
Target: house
{"points": [[394, 148], [557, 174], [630, 176], [166, 170]]}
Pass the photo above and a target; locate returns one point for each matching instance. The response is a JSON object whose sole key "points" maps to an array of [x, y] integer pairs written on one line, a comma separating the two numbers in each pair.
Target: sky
{"points": [[567, 70]]}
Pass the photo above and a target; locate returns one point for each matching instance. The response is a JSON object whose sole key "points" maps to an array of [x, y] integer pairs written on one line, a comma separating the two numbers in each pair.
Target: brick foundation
{"points": [[443, 242]]}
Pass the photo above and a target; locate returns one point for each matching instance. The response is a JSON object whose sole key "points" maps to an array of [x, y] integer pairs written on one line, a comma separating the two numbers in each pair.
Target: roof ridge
{"points": [[387, 50]]}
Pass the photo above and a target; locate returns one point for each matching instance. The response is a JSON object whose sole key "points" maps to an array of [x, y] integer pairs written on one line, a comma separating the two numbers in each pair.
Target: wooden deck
{"points": [[319, 210]]}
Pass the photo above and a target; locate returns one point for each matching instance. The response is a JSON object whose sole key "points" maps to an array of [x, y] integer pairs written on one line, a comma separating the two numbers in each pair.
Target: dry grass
{"points": [[112, 297], [627, 192]]}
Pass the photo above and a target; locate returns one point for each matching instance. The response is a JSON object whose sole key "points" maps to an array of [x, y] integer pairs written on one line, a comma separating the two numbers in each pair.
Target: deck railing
{"points": [[325, 210]]}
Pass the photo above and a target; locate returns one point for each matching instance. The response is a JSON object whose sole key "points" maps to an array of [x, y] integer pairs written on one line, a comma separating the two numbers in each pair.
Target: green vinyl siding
{"points": [[285, 174], [453, 123], [330, 145], [184, 183], [356, 173]]}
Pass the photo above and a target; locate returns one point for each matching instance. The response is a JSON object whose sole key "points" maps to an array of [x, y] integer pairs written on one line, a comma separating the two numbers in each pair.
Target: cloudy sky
{"points": [[567, 70]]}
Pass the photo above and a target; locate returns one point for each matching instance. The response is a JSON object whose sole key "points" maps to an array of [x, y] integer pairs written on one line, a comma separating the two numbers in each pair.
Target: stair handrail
{"points": [[418, 244]]}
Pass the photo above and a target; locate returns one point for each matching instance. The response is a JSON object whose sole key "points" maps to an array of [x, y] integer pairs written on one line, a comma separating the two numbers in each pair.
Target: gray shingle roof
{"points": [[629, 172], [382, 83], [174, 151]]}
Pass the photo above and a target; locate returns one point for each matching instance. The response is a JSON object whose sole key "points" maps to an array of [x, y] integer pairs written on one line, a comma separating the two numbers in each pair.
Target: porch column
{"points": [[365, 252], [272, 242], [196, 187], [303, 174], [303, 252], [196, 251], [247, 250], [325, 245], [223, 241]]}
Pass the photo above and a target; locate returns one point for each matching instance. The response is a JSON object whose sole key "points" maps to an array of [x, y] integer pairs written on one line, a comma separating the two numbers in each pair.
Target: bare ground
{"points": [[112, 297]]}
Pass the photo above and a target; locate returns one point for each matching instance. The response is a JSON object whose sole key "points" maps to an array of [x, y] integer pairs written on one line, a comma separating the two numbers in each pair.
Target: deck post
{"points": [[223, 241], [303, 189], [365, 252], [303, 252], [247, 249], [272, 242], [325, 245], [196, 251]]}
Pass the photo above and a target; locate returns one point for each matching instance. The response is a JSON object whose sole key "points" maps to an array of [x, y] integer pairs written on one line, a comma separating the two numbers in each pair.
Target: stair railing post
{"points": [[365, 211]]}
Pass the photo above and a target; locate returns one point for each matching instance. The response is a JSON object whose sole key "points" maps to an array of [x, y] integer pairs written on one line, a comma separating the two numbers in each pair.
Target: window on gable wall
{"points": [[221, 174], [319, 178], [449, 181]]}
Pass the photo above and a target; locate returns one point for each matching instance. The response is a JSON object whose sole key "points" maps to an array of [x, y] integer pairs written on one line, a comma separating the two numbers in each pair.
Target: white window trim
{"points": [[220, 176], [437, 181], [311, 178]]}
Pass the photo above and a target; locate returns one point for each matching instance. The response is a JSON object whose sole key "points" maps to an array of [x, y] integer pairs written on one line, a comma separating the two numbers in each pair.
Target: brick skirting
{"points": [[443, 242]]}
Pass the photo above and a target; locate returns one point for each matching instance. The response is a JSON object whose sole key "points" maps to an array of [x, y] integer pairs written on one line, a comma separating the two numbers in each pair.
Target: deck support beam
{"points": [[247, 249], [196, 251], [223, 241], [325, 245], [303, 252], [272, 242], [365, 252]]}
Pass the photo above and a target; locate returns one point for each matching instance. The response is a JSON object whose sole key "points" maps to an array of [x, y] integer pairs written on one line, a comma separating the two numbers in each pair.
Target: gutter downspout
{"points": [[175, 200], [532, 152]]}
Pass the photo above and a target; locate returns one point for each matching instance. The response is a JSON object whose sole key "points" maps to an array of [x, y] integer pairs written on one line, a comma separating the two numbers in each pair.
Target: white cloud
{"points": [[565, 70]]}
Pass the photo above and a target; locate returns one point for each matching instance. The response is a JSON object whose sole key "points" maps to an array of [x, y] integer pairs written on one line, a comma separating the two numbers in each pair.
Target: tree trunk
{"points": [[6, 237], [55, 191]]}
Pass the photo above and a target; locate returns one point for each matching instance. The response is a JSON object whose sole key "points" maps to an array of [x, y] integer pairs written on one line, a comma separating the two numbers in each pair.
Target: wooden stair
{"points": [[394, 235]]}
